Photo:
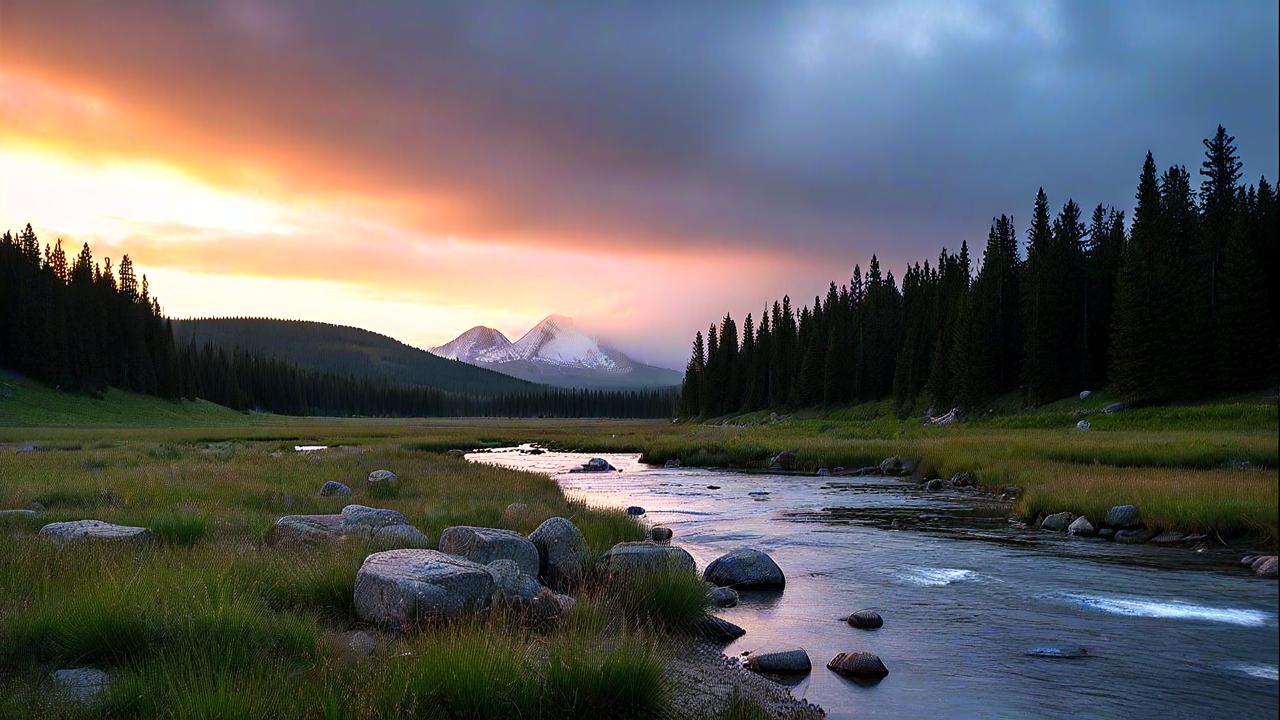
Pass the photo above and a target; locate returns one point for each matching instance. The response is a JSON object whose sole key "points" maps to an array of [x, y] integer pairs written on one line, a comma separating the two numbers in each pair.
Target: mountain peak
{"points": [[471, 345]]}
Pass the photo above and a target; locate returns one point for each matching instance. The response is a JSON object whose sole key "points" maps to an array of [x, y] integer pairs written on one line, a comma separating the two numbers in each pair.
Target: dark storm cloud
{"points": [[830, 128]]}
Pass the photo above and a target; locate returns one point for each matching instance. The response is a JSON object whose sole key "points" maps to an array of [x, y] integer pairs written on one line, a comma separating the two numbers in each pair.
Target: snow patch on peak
{"points": [[471, 345]]}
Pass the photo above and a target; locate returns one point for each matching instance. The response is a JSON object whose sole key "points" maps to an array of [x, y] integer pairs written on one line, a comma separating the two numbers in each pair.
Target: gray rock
{"points": [[333, 487], [456, 453], [18, 515], [594, 465], [1053, 651], [550, 607], [1057, 522], [562, 551], [630, 557], [1123, 516], [399, 587], [785, 460], [513, 584], [635, 510], [354, 644], [1115, 407], [383, 477], [1010, 492], [1169, 537], [723, 597], [858, 665], [36, 506], [400, 536], [963, 479], [96, 530], [892, 466], [936, 485], [1247, 560], [1084, 425], [779, 661], [1133, 537], [361, 519], [718, 629], [1265, 566], [672, 463], [660, 534], [865, 619], [83, 686], [298, 530], [824, 472], [1081, 527], [484, 545], [1084, 394], [745, 569], [1107, 533]]}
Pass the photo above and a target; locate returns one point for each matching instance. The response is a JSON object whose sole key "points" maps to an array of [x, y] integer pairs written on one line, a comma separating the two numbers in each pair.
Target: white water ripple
{"points": [[936, 577], [1171, 610], [1265, 672]]}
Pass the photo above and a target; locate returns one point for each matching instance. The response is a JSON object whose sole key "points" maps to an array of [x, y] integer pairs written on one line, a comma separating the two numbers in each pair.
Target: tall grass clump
{"points": [[669, 598], [182, 529]]}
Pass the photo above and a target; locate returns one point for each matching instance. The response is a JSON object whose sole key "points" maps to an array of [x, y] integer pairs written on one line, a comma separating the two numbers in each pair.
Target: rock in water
{"points": [[824, 472], [484, 545], [648, 557], [660, 534], [719, 629], [865, 619], [561, 552], [1122, 516], [383, 477], [83, 686], [936, 485], [333, 487], [745, 569], [858, 665], [1056, 522], [399, 587], [1081, 527], [672, 463], [1133, 537], [1266, 566], [780, 661], [723, 597], [1053, 651], [298, 530], [76, 530], [635, 510]]}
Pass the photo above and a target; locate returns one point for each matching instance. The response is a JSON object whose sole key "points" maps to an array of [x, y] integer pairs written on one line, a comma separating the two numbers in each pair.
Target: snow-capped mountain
{"points": [[555, 352]]}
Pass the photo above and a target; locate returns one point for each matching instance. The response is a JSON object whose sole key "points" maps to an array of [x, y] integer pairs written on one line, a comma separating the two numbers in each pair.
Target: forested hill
{"points": [[346, 351]]}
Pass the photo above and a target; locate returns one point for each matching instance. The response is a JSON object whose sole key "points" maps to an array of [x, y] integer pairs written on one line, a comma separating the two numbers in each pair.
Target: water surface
{"points": [[1171, 633]]}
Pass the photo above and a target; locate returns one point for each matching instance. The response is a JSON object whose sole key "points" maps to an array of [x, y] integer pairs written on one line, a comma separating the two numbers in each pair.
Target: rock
{"points": [[18, 515], [723, 597], [355, 644], [660, 534], [456, 453], [94, 530], [865, 620], [550, 607], [936, 485], [383, 477], [1010, 492], [1106, 533], [891, 466], [399, 587], [785, 460], [561, 552], [1084, 425], [305, 529], [516, 509], [1122, 516], [1053, 651], [963, 479], [713, 487], [1057, 521], [779, 661], [1115, 407], [1133, 537], [672, 463], [1266, 566], [361, 519], [1169, 537], [1247, 560], [400, 536], [1084, 394], [858, 665], [36, 506], [719, 629], [758, 492], [333, 487], [648, 557], [635, 510], [83, 686], [595, 465], [512, 583], [745, 569], [484, 545], [824, 472], [1081, 527]]}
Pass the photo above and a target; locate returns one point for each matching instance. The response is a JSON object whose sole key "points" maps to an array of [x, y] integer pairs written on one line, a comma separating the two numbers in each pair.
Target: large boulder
{"points": [[364, 520], [562, 551], [400, 536], [780, 661], [97, 530], [1123, 516], [484, 545], [659, 533], [512, 583], [83, 686], [305, 529], [745, 569], [648, 557], [865, 620], [858, 665], [399, 587], [1265, 566], [333, 487], [382, 477], [1081, 527], [1057, 522]]}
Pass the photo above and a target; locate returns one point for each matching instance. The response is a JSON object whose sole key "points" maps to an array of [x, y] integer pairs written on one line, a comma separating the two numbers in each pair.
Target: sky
{"points": [[420, 168]]}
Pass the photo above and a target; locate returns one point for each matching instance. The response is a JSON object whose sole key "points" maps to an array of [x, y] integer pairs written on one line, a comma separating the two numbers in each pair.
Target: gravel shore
{"points": [[705, 683]]}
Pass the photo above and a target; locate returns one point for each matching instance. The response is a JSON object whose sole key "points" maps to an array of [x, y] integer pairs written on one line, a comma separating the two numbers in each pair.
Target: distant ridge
{"points": [[555, 352], [347, 350]]}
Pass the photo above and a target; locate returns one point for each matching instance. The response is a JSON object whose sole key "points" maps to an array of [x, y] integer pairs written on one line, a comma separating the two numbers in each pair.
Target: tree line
{"points": [[83, 326], [1175, 305]]}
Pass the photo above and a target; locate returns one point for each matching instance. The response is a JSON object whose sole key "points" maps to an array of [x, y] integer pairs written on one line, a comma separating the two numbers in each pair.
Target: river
{"points": [[1170, 632]]}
